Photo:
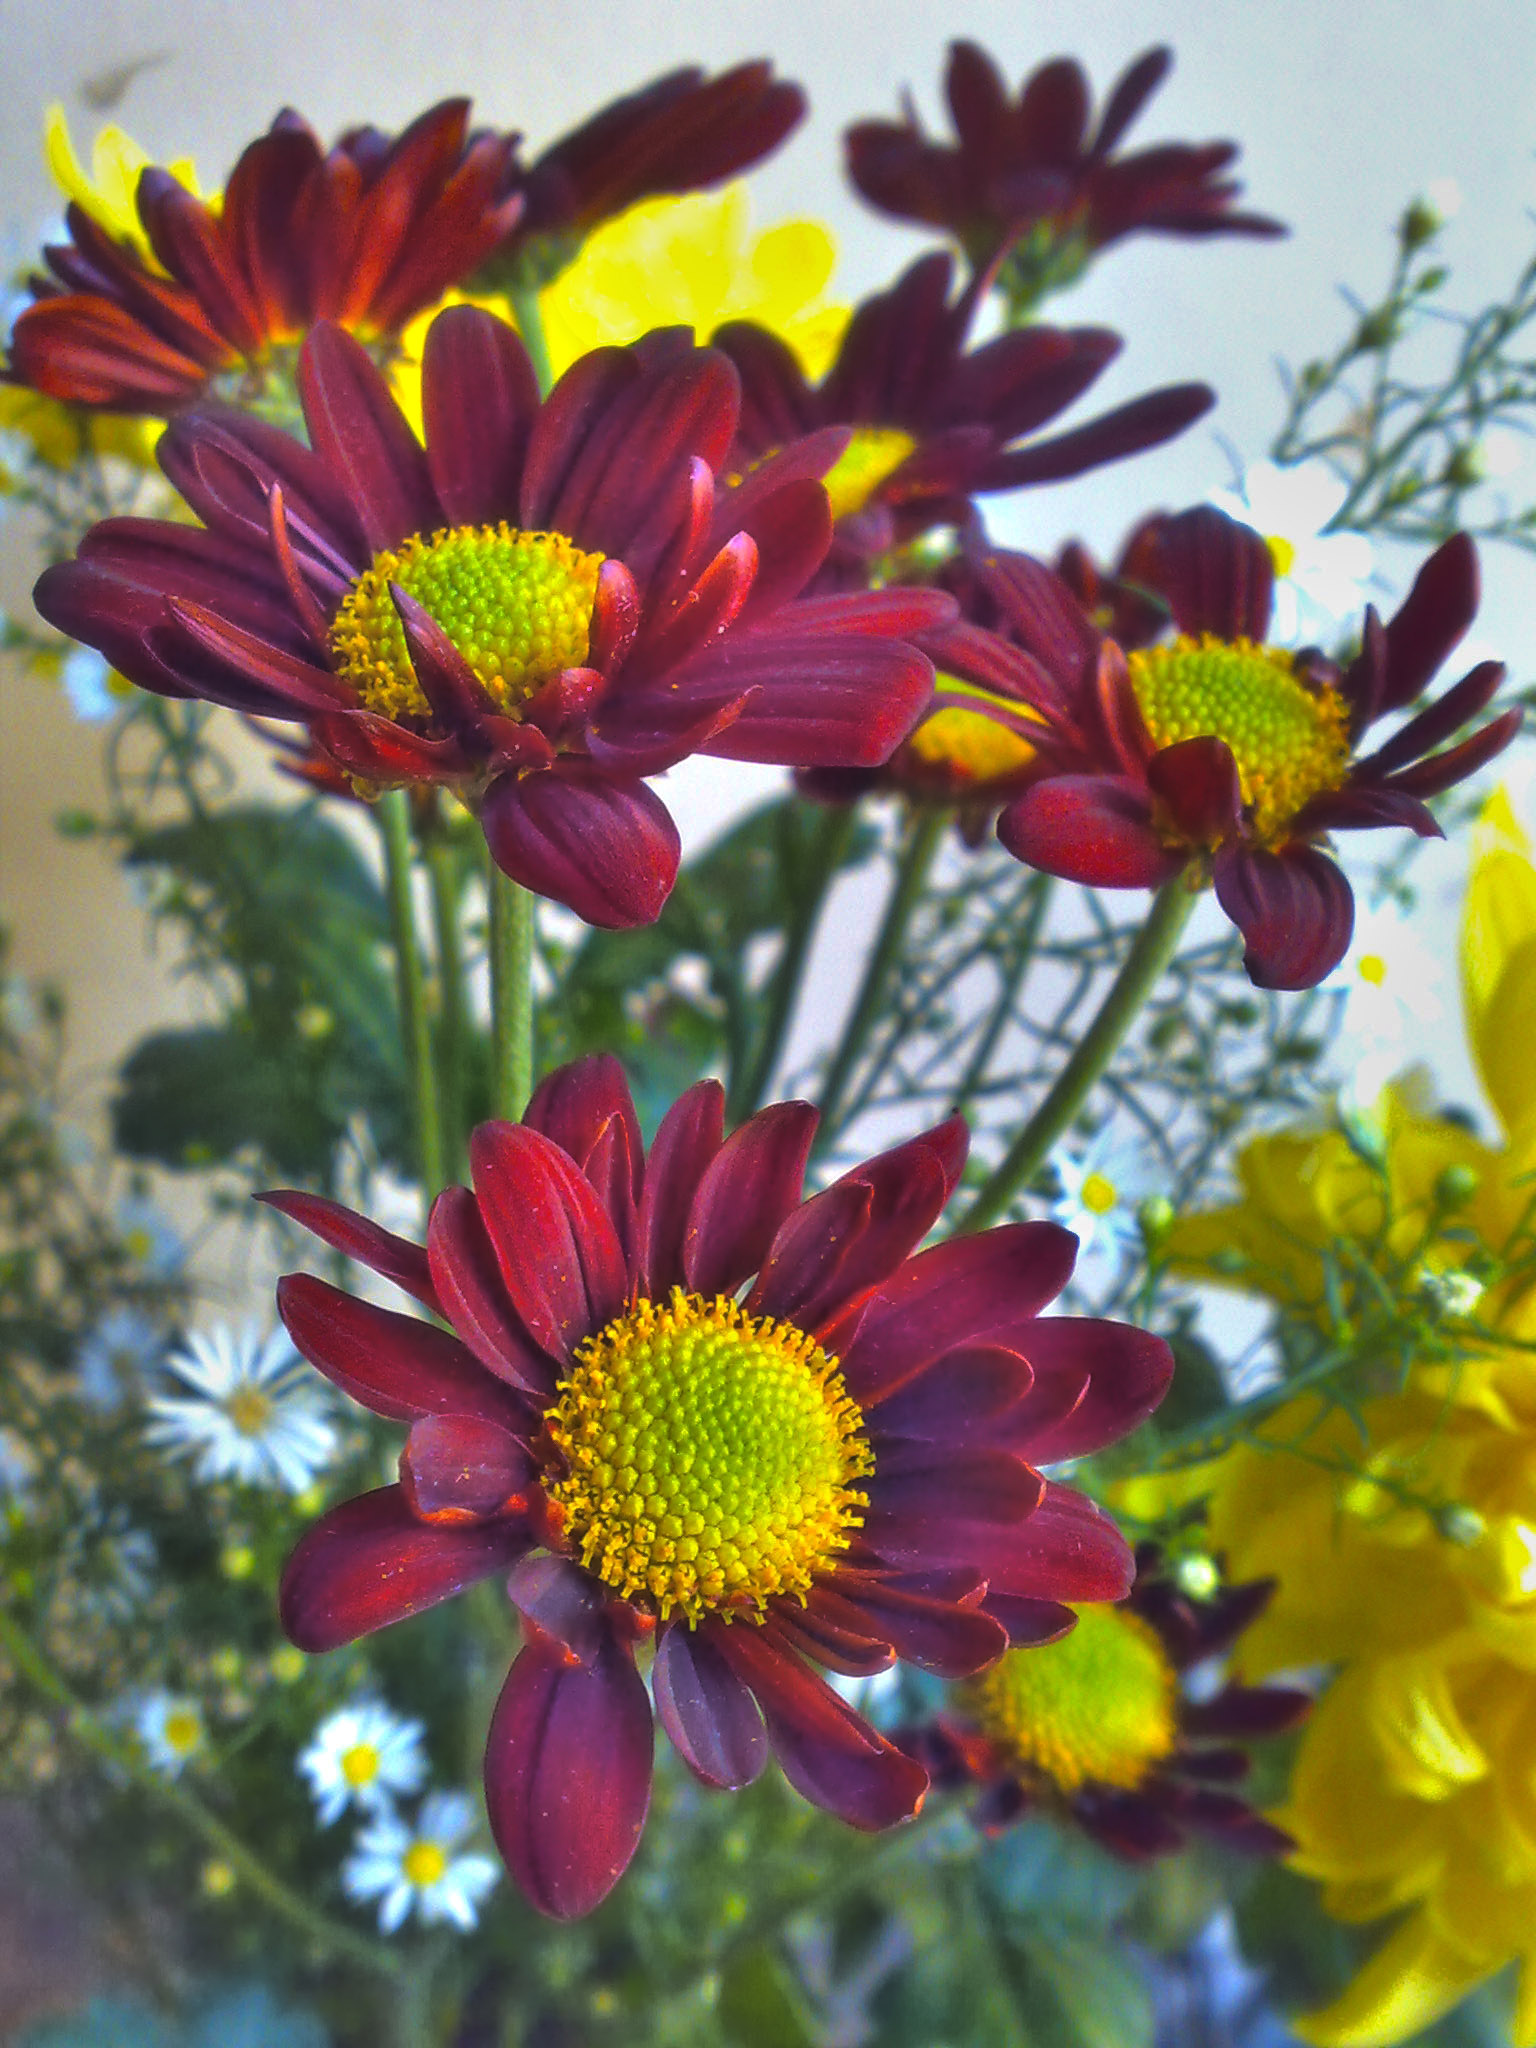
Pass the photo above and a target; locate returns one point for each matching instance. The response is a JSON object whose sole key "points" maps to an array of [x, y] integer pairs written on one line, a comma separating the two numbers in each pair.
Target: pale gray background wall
{"points": [[1343, 112]]}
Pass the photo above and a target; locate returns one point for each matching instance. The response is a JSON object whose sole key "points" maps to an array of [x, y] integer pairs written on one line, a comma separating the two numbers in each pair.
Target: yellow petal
{"points": [[1407, 1985], [1427, 1749], [1499, 924], [109, 192]]}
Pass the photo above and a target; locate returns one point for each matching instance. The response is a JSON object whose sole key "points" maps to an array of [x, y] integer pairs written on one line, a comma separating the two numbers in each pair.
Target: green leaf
{"points": [[760, 2006]]}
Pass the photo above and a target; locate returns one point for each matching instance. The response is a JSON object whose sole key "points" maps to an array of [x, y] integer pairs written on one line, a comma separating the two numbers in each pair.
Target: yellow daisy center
{"points": [[1098, 1194], [249, 1409], [1282, 552], [517, 606], [424, 1863], [183, 1731], [360, 1764], [873, 454], [1289, 738], [1098, 1707], [711, 1457], [1372, 969]]}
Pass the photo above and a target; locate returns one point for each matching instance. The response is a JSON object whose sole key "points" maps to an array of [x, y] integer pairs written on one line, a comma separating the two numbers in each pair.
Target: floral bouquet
{"points": [[1041, 1420]]}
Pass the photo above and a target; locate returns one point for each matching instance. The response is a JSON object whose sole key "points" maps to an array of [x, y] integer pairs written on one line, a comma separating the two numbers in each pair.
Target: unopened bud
{"points": [[1420, 223], [237, 1561], [1460, 1524], [1157, 1217], [217, 1879], [1197, 1575], [1456, 1186]]}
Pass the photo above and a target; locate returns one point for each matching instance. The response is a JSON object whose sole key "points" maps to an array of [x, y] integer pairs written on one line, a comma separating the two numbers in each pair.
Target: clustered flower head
{"points": [[698, 1416], [1400, 1531], [1096, 1726]]}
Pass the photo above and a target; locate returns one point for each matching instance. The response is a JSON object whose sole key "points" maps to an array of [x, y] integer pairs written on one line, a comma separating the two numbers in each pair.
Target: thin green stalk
{"points": [[177, 1797], [524, 300], [394, 816], [1155, 945], [511, 995], [1041, 890], [924, 832], [750, 1085], [452, 1033]]}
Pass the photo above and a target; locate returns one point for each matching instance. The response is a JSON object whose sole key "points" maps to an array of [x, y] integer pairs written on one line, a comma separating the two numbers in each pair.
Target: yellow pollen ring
{"points": [[711, 1458], [1098, 1707], [871, 458], [517, 606], [1290, 739]]}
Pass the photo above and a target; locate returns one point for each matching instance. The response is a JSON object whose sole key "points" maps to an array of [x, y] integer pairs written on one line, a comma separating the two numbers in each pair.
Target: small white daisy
{"points": [[360, 1757], [170, 1728], [149, 1239], [405, 1864], [115, 1356], [1320, 577], [255, 1414], [1100, 1190]]}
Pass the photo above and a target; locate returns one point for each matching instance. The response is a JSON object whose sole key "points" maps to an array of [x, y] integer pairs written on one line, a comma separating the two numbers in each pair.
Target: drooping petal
{"points": [[708, 1712], [1295, 910], [369, 1563], [1095, 829], [607, 849], [568, 1775], [827, 1752]]}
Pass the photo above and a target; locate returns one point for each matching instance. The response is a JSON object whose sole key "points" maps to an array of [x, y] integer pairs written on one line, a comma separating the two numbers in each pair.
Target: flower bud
{"points": [[1197, 1575], [1157, 1218], [1456, 1186], [1460, 1524]]}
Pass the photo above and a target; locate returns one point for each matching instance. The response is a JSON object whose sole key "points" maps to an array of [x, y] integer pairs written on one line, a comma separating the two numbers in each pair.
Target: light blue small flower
{"points": [[115, 1356], [88, 686]]}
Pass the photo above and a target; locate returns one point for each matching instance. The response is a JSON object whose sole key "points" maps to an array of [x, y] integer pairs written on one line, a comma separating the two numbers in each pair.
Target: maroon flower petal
{"points": [[1130, 1825], [828, 1753], [396, 1258], [1439, 722], [1294, 909], [1197, 782], [821, 699], [1146, 422], [933, 1634], [951, 1296], [709, 1714], [568, 1776], [362, 436], [1217, 573], [474, 1298], [686, 1141], [1066, 1550], [461, 1468], [587, 1109], [808, 1632], [743, 1196], [369, 1562], [557, 1250], [958, 1398], [1128, 1374], [1365, 810], [395, 1365], [921, 1483], [1431, 619], [1247, 1712], [606, 849], [479, 398], [563, 1608], [1029, 1623], [1095, 829], [1440, 771]]}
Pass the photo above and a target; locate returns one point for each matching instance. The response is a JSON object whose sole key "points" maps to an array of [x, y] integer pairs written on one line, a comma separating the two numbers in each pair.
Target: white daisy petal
{"points": [[259, 1417]]}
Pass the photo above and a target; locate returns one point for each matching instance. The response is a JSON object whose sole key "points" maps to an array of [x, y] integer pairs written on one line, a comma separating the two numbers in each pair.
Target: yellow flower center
{"points": [[1099, 1194], [517, 606], [873, 454], [968, 744], [424, 1863], [1290, 739], [1098, 1707], [249, 1409], [183, 1730], [1282, 552], [1372, 969], [360, 1764], [711, 1457]]}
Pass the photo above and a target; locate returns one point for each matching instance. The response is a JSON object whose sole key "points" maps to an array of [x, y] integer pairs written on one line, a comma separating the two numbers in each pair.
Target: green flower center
{"points": [[1289, 738], [1098, 1707], [517, 606], [711, 1458], [873, 454]]}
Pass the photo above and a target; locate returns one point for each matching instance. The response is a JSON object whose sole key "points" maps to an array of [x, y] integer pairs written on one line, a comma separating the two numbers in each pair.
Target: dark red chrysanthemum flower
{"points": [[368, 234], [695, 1414], [1032, 177], [680, 133], [1217, 754], [932, 422], [544, 605], [1097, 1727]]}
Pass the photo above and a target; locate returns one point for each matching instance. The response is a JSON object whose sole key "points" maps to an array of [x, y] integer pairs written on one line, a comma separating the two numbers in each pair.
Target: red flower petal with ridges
{"points": [[831, 1463]]}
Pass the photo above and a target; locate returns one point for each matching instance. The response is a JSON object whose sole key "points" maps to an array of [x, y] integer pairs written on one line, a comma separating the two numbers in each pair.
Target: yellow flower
{"points": [[1401, 1531], [695, 262], [60, 435], [109, 190]]}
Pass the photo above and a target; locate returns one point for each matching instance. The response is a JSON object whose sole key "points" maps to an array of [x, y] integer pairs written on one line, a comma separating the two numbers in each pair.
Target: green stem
{"points": [[750, 1085], [393, 812], [1155, 945], [94, 1735], [511, 995], [524, 300], [1041, 890], [924, 832], [452, 1034]]}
